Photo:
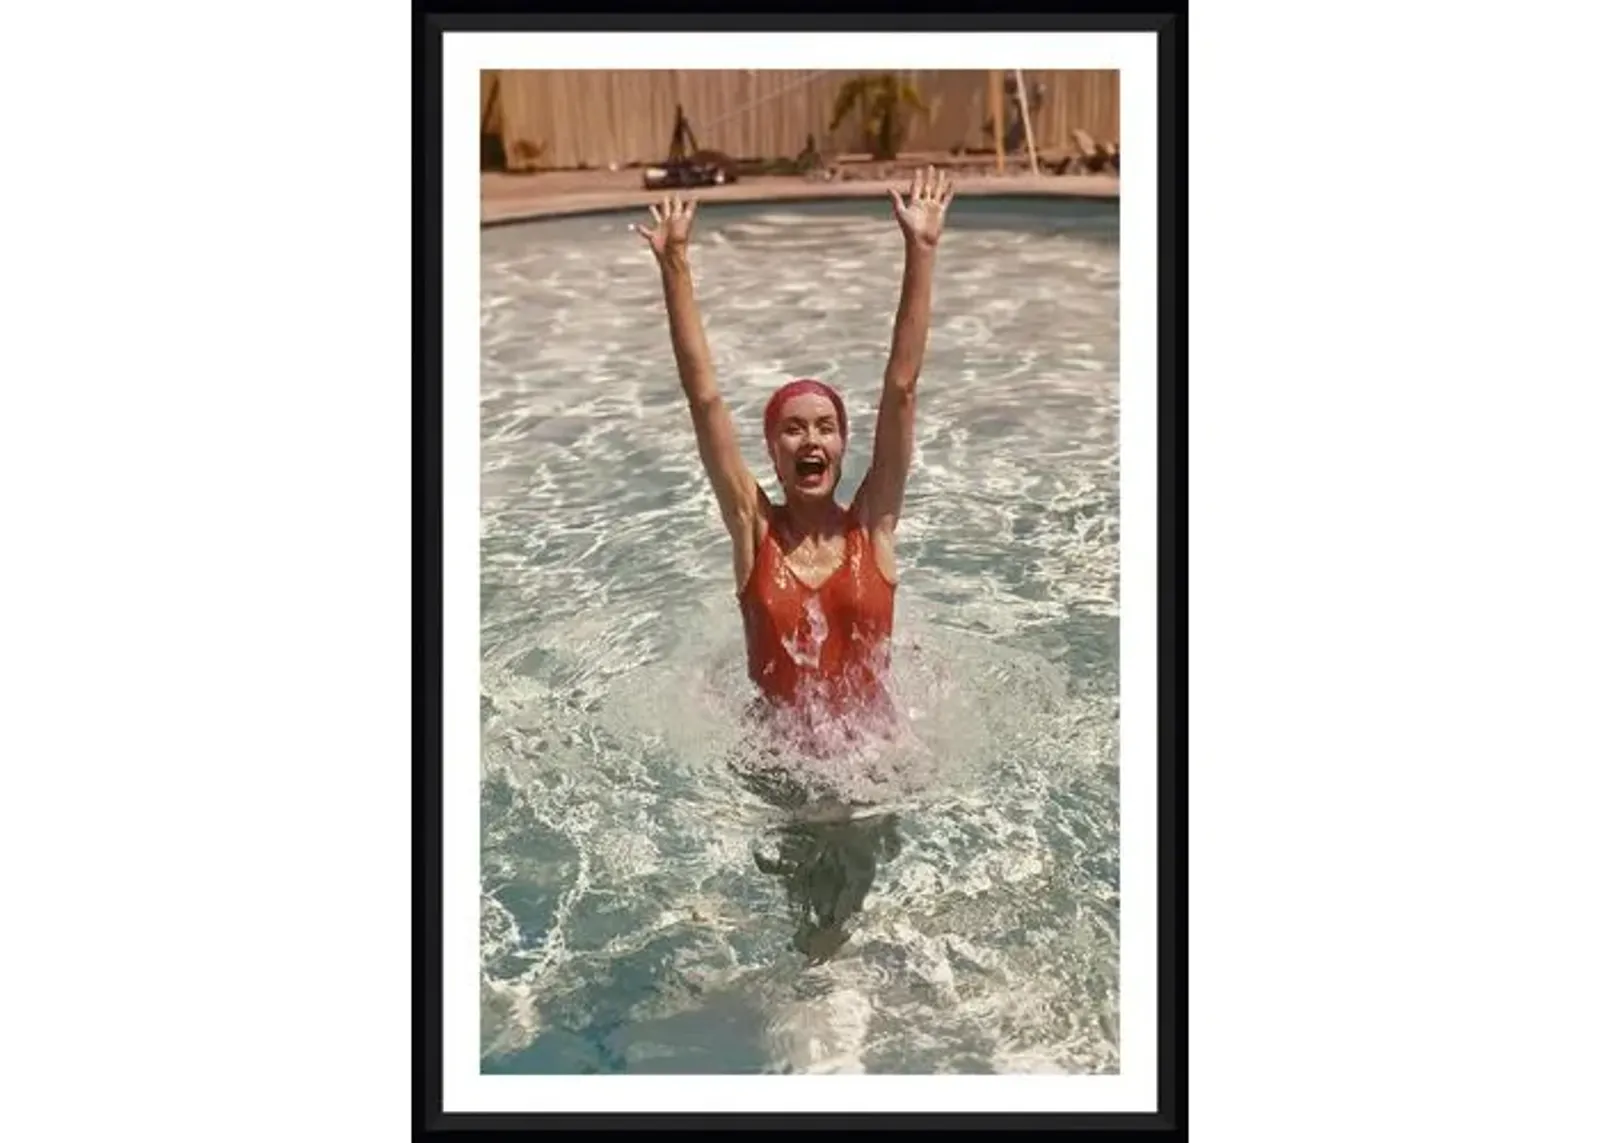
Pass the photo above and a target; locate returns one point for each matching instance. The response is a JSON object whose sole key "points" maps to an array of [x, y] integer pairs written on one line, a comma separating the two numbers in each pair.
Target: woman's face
{"points": [[806, 446]]}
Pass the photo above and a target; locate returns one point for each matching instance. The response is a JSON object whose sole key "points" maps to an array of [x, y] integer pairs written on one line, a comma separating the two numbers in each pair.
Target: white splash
{"points": [[806, 646]]}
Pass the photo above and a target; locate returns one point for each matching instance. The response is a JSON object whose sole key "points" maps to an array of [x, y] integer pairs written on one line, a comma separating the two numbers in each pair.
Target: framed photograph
{"points": [[800, 558]]}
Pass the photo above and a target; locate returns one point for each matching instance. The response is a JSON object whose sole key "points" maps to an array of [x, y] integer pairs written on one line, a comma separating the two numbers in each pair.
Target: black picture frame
{"points": [[430, 23]]}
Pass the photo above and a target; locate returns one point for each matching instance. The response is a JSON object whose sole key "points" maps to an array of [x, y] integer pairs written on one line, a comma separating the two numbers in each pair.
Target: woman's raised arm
{"points": [[738, 495], [921, 219]]}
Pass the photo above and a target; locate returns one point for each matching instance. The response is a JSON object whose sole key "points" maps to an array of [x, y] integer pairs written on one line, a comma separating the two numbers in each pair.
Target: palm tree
{"points": [[885, 104]]}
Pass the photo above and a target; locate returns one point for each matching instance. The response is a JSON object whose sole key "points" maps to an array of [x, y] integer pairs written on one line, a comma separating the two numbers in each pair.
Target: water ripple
{"points": [[644, 909]]}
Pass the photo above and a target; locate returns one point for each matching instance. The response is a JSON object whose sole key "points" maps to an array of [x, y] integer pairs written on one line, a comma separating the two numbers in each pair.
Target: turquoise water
{"points": [[645, 910]]}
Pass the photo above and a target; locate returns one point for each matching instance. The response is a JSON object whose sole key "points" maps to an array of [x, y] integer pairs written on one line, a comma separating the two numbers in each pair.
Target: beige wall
{"points": [[604, 117]]}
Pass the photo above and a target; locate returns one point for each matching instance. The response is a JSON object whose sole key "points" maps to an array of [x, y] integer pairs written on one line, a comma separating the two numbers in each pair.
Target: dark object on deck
{"points": [[1093, 157], [685, 165], [491, 130], [809, 159]]}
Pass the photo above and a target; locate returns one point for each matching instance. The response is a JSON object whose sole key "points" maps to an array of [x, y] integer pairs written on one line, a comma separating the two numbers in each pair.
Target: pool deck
{"points": [[515, 198]]}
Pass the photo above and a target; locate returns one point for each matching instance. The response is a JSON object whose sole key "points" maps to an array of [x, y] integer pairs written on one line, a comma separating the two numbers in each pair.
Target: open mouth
{"points": [[811, 469]]}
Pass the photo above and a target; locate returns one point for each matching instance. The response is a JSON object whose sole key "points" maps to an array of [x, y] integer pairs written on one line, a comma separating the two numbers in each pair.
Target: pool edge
{"points": [[1079, 188]]}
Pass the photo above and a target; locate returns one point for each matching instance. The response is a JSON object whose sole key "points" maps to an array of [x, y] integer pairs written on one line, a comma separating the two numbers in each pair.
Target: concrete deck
{"points": [[515, 198]]}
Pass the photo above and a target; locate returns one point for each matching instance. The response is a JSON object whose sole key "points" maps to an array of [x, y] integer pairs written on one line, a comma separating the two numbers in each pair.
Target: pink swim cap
{"points": [[795, 389]]}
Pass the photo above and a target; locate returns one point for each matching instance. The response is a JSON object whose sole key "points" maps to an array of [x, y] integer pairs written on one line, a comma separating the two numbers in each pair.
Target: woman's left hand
{"points": [[921, 215]]}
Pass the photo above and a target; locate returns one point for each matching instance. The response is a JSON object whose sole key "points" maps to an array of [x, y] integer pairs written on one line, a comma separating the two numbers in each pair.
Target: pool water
{"points": [[644, 909]]}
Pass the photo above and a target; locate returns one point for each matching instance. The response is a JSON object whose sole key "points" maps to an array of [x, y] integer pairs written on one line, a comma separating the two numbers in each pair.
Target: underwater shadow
{"points": [[827, 869], [827, 849]]}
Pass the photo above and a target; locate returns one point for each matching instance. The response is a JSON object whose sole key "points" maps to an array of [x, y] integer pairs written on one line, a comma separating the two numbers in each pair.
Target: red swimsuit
{"points": [[820, 651]]}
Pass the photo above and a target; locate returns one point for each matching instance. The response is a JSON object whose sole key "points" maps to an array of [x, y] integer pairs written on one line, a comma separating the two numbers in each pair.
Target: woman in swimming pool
{"points": [[815, 579]]}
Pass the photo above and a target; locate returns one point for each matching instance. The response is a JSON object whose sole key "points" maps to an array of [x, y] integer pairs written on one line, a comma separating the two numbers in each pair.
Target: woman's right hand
{"points": [[670, 234]]}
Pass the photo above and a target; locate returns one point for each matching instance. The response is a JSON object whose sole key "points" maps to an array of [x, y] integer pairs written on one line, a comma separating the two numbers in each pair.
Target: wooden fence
{"points": [[565, 119]]}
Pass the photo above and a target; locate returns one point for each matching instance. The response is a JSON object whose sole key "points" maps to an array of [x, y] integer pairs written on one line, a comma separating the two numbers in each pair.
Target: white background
{"points": [[205, 621], [1134, 1085]]}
